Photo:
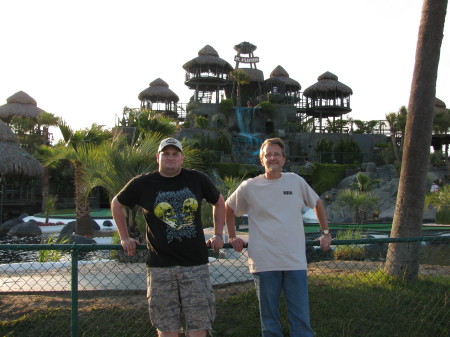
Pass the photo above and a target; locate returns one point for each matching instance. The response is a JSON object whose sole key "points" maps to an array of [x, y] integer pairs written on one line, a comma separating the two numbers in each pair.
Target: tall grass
{"points": [[52, 255], [349, 252]]}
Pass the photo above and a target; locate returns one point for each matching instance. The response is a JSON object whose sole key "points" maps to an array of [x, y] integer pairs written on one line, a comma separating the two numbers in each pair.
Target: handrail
{"points": [[88, 247]]}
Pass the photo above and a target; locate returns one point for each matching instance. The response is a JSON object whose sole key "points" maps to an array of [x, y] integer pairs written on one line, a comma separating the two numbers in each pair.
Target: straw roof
{"points": [[245, 47], [207, 56], [158, 92], [327, 83], [439, 104], [279, 74], [13, 159], [255, 75], [6, 134], [19, 104]]}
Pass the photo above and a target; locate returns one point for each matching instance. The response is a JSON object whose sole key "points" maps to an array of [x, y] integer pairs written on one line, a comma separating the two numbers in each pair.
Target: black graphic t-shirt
{"points": [[172, 210]]}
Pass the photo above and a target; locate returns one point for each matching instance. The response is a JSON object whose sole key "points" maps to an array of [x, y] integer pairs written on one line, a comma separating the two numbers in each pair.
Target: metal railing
{"points": [[97, 291]]}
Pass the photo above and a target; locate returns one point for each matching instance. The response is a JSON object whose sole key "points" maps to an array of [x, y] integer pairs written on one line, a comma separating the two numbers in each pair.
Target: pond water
{"points": [[16, 256]]}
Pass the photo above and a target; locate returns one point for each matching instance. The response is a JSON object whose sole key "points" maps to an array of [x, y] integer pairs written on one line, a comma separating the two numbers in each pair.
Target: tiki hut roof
{"points": [[19, 104], [439, 103], [279, 74], [327, 83], [255, 75], [6, 134], [13, 159], [158, 92], [245, 47], [208, 56], [440, 107]]}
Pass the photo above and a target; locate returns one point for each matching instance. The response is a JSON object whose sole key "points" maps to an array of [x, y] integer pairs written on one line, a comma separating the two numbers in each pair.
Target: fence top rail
{"points": [[92, 247]]}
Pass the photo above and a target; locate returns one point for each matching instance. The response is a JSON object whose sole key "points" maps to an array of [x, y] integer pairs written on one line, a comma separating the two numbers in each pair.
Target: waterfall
{"points": [[245, 120]]}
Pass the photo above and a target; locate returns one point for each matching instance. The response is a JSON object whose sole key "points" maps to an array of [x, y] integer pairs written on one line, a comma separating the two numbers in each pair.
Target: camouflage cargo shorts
{"points": [[176, 293]]}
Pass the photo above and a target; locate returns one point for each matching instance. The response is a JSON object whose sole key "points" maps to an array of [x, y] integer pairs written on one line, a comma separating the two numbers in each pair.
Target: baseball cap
{"points": [[169, 141]]}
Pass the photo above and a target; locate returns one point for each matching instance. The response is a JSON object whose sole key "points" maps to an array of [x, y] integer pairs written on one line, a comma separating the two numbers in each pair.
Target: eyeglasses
{"points": [[274, 155]]}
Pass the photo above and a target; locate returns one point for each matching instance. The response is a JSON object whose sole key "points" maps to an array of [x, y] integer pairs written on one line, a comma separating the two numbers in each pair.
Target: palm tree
{"points": [[364, 183], [391, 119], [403, 259], [77, 148], [397, 124], [241, 78], [45, 155], [360, 202]]}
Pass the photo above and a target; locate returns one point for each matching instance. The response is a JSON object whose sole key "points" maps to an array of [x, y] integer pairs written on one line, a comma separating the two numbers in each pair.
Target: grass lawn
{"points": [[352, 305]]}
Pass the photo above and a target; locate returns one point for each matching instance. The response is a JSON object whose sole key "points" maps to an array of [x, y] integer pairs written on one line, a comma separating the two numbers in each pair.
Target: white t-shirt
{"points": [[274, 209]]}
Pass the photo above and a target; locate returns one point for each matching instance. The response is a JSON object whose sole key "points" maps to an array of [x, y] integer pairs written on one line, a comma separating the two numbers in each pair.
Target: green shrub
{"points": [[235, 170], [349, 252], [226, 106], [201, 122], [443, 216], [267, 109], [327, 176]]}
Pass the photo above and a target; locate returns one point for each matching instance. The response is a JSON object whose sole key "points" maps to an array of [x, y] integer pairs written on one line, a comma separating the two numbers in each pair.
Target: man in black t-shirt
{"points": [[177, 270]]}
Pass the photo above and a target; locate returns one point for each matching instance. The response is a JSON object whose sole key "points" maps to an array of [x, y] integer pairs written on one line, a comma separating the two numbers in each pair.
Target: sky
{"points": [[85, 60]]}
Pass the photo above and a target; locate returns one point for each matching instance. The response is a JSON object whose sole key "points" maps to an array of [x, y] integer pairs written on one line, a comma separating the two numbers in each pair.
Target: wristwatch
{"points": [[326, 232], [217, 236]]}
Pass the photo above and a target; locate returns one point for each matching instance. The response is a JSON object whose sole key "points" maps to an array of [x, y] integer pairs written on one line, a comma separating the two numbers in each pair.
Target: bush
{"points": [[235, 170], [443, 216], [349, 252], [226, 106], [267, 109], [327, 176]]}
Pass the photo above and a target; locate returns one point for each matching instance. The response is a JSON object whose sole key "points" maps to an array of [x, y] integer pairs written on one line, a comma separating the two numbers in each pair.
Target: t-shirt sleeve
{"points": [[129, 195], [310, 197], [237, 200]]}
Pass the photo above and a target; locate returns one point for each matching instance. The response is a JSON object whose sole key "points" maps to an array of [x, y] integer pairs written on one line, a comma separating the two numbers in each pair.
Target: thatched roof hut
{"points": [[208, 60], [158, 91], [279, 77], [13, 159], [245, 48], [327, 86], [440, 105], [207, 74], [19, 104]]}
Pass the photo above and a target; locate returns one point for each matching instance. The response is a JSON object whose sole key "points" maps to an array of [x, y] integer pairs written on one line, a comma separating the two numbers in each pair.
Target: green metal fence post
{"points": [[74, 291]]}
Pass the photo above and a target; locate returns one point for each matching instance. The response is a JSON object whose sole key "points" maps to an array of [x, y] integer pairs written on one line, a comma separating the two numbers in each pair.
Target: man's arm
{"points": [[230, 218], [325, 239], [118, 213], [216, 242]]}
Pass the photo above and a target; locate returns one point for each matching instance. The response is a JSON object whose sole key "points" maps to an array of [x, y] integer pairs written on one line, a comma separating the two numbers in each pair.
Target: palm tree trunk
{"points": [[45, 188], [82, 208], [403, 259]]}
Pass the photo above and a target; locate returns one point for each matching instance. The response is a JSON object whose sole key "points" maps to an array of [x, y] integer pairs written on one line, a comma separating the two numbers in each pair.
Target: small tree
{"points": [[241, 78], [361, 203], [364, 183]]}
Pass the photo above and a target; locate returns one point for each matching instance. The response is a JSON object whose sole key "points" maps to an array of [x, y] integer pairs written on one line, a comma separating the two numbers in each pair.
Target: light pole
{"points": [[2, 197]]}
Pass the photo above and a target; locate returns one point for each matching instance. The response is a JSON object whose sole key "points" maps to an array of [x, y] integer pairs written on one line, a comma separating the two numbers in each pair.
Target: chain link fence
{"points": [[94, 290]]}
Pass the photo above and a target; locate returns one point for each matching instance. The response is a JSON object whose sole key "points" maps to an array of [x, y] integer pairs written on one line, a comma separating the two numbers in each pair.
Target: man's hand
{"points": [[215, 242], [325, 242], [129, 245], [237, 243]]}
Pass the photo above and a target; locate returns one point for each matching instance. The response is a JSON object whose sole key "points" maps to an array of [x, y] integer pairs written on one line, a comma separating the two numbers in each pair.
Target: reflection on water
{"points": [[15, 256]]}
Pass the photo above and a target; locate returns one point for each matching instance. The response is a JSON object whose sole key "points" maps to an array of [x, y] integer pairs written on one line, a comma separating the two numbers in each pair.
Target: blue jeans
{"points": [[294, 284]]}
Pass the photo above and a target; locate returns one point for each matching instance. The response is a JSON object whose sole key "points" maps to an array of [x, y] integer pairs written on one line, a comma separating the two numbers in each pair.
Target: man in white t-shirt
{"points": [[277, 253]]}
